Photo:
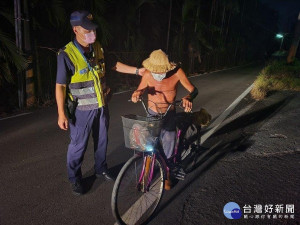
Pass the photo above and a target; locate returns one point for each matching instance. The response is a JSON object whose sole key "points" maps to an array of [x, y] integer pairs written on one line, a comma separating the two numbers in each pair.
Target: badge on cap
{"points": [[90, 17]]}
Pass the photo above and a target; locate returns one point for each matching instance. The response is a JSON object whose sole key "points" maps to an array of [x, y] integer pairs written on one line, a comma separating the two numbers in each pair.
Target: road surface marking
{"points": [[235, 67], [214, 126], [23, 114]]}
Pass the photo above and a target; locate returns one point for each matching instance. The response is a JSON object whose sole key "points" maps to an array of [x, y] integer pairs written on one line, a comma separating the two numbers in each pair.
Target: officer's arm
{"points": [[60, 94], [123, 68]]}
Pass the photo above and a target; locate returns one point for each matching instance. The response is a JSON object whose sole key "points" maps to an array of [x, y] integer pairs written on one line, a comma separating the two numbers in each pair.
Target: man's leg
{"points": [[79, 134], [168, 139], [100, 141], [168, 134]]}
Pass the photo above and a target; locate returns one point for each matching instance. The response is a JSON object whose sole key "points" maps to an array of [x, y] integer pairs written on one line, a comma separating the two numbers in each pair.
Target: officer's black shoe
{"points": [[77, 188], [106, 176]]}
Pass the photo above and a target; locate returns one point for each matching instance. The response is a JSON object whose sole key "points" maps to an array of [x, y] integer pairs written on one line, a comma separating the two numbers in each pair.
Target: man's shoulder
{"points": [[173, 72], [147, 75], [63, 60], [179, 72], [61, 51], [61, 54]]}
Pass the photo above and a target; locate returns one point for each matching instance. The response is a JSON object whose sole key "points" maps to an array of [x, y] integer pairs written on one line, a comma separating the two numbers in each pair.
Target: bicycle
{"points": [[139, 186]]}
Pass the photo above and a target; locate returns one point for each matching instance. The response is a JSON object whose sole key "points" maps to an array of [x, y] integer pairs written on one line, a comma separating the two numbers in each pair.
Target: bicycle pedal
{"points": [[179, 176], [181, 171]]}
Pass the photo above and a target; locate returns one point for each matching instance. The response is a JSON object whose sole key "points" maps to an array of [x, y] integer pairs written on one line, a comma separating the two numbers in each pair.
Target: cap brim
{"points": [[89, 25]]}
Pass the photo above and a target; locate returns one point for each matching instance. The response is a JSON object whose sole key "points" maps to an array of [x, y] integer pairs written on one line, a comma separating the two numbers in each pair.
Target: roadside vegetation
{"points": [[277, 76], [200, 35]]}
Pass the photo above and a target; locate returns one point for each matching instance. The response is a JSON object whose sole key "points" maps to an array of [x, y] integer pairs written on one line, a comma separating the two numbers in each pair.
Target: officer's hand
{"points": [[142, 71], [63, 122], [187, 104], [135, 96]]}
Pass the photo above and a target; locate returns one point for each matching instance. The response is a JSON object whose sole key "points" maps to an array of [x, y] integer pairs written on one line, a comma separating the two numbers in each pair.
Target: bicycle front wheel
{"points": [[134, 196]]}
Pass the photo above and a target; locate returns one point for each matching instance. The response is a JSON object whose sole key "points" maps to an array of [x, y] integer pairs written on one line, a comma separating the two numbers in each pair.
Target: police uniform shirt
{"points": [[65, 68]]}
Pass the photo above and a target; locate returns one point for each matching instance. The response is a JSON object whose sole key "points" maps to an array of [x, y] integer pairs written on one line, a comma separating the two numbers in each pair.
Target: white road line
{"points": [[214, 126], [238, 114], [201, 74], [23, 114]]}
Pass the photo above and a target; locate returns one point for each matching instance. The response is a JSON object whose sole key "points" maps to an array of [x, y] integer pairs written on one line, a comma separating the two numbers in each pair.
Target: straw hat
{"points": [[158, 62]]}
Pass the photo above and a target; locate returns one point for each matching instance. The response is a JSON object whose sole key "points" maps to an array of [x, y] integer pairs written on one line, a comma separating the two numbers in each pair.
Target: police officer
{"points": [[80, 73]]}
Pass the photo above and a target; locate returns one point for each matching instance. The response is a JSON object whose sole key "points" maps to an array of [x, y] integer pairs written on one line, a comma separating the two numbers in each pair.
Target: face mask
{"points": [[90, 38], [158, 76]]}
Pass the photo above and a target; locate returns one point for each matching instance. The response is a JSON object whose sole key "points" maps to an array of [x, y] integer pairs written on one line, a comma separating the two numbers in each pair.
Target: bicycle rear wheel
{"points": [[131, 202], [190, 142]]}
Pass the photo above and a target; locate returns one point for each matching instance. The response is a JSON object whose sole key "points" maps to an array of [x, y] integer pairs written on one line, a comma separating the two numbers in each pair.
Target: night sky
{"points": [[288, 13]]}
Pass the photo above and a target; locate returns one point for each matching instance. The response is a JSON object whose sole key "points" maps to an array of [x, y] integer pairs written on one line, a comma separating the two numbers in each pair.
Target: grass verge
{"points": [[276, 76]]}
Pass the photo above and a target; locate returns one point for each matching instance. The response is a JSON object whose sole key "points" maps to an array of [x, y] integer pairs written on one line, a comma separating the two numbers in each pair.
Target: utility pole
{"points": [[169, 25], [281, 43], [23, 43], [30, 91], [18, 31], [295, 43]]}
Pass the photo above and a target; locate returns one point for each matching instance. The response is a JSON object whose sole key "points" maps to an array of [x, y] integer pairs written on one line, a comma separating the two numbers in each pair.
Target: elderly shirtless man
{"points": [[161, 79]]}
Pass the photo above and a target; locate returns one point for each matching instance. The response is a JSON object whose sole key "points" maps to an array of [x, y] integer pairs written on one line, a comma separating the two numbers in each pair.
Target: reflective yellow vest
{"points": [[85, 85]]}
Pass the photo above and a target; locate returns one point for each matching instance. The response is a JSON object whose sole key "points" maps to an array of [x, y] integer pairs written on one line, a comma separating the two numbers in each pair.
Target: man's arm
{"points": [[193, 91], [123, 68], [60, 94], [141, 88], [65, 69]]}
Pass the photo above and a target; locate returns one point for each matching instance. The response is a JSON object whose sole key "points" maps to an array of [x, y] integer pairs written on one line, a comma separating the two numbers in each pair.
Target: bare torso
{"points": [[162, 93]]}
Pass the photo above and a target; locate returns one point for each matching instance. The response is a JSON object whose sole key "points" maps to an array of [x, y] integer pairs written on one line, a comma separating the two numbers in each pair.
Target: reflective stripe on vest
{"points": [[85, 85]]}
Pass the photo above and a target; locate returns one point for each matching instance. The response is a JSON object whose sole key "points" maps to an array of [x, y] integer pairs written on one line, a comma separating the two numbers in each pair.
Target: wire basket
{"points": [[140, 132]]}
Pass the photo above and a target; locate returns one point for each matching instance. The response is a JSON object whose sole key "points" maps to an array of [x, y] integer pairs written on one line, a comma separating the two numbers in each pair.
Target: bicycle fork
{"points": [[146, 173]]}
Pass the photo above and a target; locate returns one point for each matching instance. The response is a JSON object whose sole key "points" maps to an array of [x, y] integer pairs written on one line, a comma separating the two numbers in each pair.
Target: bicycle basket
{"points": [[140, 133]]}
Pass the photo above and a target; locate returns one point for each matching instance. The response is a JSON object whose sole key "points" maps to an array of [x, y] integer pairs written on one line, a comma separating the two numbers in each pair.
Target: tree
{"points": [[12, 61]]}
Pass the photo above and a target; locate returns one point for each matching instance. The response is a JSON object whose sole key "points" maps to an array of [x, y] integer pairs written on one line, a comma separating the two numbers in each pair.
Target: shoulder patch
{"points": [[61, 50]]}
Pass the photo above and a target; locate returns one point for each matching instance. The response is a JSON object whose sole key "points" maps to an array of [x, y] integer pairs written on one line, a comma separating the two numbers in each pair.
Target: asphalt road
{"points": [[34, 185], [253, 159]]}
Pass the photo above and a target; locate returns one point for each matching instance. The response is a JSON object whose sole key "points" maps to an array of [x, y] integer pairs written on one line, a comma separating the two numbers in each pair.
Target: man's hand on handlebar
{"points": [[136, 96], [187, 104]]}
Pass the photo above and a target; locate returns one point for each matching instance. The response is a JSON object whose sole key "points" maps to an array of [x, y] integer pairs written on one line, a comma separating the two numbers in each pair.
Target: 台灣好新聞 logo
{"points": [[232, 211]]}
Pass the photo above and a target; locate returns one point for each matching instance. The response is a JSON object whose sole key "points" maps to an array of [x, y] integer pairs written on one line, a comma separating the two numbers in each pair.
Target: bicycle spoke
{"points": [[135, 206]]}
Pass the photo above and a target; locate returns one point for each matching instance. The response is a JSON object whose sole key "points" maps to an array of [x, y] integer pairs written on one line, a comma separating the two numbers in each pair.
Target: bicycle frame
{"points": [[147, 171], [149, 174], [154, 154], [144, 170], [176, 146]]}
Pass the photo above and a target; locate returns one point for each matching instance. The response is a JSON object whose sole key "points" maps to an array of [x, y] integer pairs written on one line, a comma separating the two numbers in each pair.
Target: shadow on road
{"points": [[89, 178], [236, 140]]}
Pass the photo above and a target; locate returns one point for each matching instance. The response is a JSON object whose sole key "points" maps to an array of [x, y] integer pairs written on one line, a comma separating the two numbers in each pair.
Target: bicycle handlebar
{"points": [[175, 103]]}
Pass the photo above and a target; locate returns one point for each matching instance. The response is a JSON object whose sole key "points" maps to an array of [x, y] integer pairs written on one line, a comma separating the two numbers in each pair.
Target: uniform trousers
{"points": [[95, 121]]}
